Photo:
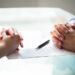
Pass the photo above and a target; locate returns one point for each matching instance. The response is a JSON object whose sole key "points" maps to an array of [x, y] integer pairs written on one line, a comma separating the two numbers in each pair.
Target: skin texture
{"points": [[10, 40], [69, 41], [64, 36]]}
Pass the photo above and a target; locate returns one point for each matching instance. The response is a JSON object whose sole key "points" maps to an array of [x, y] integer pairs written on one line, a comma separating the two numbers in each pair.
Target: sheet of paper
{"points": [[48, 50]]}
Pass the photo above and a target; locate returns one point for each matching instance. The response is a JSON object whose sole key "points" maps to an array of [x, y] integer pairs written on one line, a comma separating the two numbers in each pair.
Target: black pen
{"points": [[43, 44]]}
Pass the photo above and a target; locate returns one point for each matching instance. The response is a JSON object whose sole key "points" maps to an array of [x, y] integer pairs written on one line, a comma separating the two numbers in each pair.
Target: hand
{"points": [[10, 40], [64, 36], [57, 34]]}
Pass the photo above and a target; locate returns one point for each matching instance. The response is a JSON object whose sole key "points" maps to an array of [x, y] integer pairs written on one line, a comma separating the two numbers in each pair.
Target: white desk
{"points": [[34, 24]]}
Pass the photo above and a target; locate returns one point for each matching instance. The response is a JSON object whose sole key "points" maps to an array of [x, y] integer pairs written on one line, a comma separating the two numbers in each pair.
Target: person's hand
{"points": [[58, 34], [10, 40], [64, 36]]}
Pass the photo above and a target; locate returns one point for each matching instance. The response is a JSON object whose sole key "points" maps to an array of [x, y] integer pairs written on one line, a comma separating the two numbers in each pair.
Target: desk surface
{"points": [[63, 65]]}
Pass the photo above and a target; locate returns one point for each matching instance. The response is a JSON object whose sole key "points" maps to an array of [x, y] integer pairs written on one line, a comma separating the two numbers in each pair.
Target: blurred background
{"points": [[64, 4]]}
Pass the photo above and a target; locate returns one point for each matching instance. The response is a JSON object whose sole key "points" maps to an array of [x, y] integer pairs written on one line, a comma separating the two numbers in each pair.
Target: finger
{"points": [[67, 25], [73, 27], [3, 30], [10, 32], [60, 47], [57, 35], [17, 33], [1, 37], [56, 40], [17, 49], [21, 44], [3, 33], [61, 29], [58, 29], [21, 38], [14, 30]]}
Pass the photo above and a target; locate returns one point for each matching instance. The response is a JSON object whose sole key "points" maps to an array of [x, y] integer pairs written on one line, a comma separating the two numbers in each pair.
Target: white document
{"points": [[46, 51]]}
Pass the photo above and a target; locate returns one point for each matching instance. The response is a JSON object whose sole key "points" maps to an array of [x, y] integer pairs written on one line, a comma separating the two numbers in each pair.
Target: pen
{"points": [[43, 44]]}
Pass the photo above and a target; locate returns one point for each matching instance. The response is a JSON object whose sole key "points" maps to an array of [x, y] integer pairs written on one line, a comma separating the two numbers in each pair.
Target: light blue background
{"points": [[63, 65]]}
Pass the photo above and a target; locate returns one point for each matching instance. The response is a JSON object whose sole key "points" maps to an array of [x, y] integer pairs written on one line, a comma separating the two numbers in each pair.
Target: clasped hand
{"points": [[64, 36], [10, 40]]}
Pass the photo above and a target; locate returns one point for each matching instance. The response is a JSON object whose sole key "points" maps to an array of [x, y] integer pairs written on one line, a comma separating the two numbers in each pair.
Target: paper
{"points": [[48, 50]]}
